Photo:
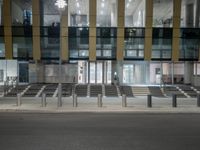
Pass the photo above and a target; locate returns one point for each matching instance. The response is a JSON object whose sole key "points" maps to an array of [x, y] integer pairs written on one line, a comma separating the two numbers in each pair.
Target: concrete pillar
{"points": [[120, 30], [176, 29], [36, 29], [64, 35], [188, 72], [92, 29], [7, 29], [148, 30]]}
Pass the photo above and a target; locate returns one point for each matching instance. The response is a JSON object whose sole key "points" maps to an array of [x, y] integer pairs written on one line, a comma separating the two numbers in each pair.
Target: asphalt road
{"points": [[99, 131]]}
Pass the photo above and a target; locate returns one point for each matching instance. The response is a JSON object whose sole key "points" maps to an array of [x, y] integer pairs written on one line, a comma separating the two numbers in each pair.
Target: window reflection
{"points": [[190, 13], [106, 13], [162, 13], [134, 13], [78, 13], [21, 12]]}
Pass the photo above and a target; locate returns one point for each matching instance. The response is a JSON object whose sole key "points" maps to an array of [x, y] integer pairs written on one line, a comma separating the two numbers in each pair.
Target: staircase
{"points": [[111, 91], [140, 91], [127, 90], [95, 89]]}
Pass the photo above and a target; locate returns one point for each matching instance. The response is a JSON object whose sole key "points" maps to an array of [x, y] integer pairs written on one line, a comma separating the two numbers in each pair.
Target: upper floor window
{"points": [[1, 12], [78, 13], [49, 13], [190, 13], [134, 13], [107, 13], [162, 13], [21, 12]]}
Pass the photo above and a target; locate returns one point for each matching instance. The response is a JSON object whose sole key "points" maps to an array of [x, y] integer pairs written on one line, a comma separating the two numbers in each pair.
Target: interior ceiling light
{"points": [[101, 12], [129, 0], [127, 5], [77, 4], [102, 4], [61, 4], [103, 0], [79, 12]]}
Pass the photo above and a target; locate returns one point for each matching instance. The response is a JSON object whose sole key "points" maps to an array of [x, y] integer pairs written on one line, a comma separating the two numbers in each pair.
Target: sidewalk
{"points": [[137, 105]]}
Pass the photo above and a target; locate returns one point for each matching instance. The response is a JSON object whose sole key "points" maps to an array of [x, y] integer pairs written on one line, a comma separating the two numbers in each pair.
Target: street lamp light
{"points": [[61, 4]]}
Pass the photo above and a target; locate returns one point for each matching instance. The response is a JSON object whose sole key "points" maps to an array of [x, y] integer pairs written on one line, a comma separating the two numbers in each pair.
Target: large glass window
{"points": [[189, 43], [79, 42], [2, 47], [1, 12], [21, 12], [134, 43], [107, 13], [22, 47], [134, 13], [190, 13], [106, 43], [2, 43], [78, 13], [50, 15], [162, 13], [22, 42], [50, 46], [162, 43]]}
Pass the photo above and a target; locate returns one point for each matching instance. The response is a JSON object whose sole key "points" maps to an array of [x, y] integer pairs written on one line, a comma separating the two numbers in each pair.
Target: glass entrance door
{"points": [[96, 72], [23, 72], [92, 72], [135, 73], [128, 74]]}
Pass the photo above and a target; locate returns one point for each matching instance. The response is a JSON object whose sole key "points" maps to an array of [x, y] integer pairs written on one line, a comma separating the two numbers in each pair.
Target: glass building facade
{"points": [[140, 41]]}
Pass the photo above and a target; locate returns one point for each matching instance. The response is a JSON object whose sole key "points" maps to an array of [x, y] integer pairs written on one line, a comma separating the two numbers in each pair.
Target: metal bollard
{"points": [[99, 100], [149, 100], [59, 95], [124, 101], [198, 100], [174, 100], [44, 103], [75, 102], [19, 99]]}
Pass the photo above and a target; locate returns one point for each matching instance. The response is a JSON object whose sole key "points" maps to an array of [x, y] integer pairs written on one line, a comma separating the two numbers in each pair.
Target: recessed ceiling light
{"points": [[79, 12], [127, 5], [77, 4], [102, 4], [129, 0], [101, 12]]}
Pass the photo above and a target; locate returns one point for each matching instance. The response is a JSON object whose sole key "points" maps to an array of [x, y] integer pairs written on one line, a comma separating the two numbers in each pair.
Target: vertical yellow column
{"points": [[120, 30], [176, 29], [148, 30], [92, 29], [7, 29], [64, 36], [36, 29]]}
